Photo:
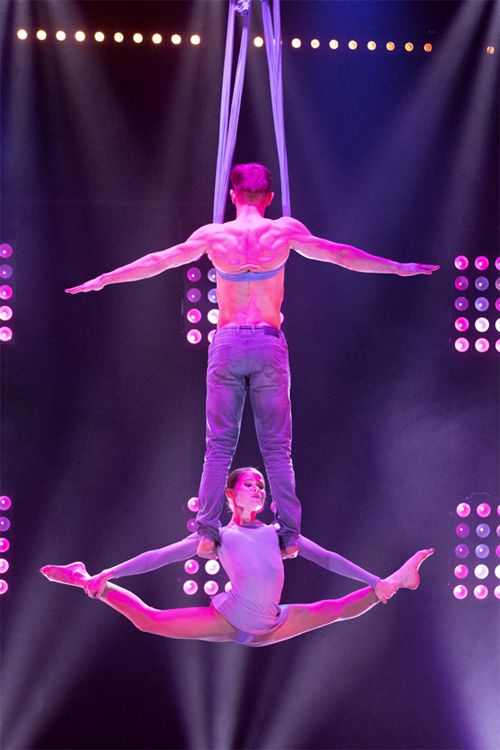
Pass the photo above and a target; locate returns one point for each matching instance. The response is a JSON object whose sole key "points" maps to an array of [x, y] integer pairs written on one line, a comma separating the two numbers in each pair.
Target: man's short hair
{"points": [[251, 178]]}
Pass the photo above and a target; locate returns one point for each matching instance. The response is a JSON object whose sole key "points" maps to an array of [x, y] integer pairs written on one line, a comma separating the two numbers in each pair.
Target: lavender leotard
{"points": [[251, 557]]}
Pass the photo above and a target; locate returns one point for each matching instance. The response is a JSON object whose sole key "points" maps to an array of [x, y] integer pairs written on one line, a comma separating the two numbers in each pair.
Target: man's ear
{"points": [[270, 199], [232, 195]]}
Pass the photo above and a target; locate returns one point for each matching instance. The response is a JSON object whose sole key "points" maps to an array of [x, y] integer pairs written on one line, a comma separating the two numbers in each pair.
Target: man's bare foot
{"points": [[74, 574], [407, 576], [206, 549], [290, 551]]}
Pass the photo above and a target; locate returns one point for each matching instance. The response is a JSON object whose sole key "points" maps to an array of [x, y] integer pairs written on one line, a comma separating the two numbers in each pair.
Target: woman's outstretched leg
{"points": [[201, 623], [305, 617]]}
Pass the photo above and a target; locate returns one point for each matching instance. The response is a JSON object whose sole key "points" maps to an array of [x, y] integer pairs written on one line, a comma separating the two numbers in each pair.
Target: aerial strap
{"points": [[230, 105]]}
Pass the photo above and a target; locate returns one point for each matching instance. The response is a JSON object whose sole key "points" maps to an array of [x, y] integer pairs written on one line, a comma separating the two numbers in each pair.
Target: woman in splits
{"points": [[249, 613]]}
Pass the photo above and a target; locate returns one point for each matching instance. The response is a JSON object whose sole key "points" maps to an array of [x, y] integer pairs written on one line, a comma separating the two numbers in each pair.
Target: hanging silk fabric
{"points": [[231, 105]]}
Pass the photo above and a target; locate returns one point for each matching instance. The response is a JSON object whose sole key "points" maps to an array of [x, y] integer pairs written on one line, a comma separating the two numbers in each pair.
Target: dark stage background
{"points": [[108, 153]]}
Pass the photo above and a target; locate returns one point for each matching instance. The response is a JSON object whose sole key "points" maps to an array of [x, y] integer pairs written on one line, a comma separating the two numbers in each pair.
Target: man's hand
{"points": [[413, 269], [94, 285], [383, 590], [94, 586]]}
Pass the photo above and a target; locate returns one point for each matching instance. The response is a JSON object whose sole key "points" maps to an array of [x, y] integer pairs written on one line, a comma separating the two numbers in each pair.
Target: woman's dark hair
{"points": [[233, 476]]}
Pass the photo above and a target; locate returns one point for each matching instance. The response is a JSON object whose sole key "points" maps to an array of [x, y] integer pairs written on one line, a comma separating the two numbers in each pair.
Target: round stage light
{"points": [[4, 587], [409, 47], [176, 39], [481, 572], [483, 510], [193, 504], [190, 587], [191, 567], [5, 271], [481, 591], [5, 546], [4, 523], [138, 37], [315, 43], [5, 502], [463, 510], [193, 295], [497, 569], [118, 37], [60, 35], [212, 296], [461, 571], [390, 46], [461, 283], [212, 567], [462, 530], [497, 263], [191, 525], [461, 345], [193, 336], [490, 49], [371, 46], [5, 250], [211, 588], [481, 283], [296, 43], [427, 47], [483, 530], [5, 312], [193, 315], [212, 315], [497, 324], [4, 565], [6, 333], [210, 335], [41, 35], [195, 39], [22, 34], [157, 39], [497, 285], [461, 303], [461, 324], [99, 36], [352, 44], [460, 591], [333, 44], [482, 345], [228, 586], [258, 41], [193, 274], [80, 36], [497, 304], [461, 551], [481, 263], [498, 551], [461, 262], [482, 551], [482, 325], [497, 592], [212, 275], [481, 304]]}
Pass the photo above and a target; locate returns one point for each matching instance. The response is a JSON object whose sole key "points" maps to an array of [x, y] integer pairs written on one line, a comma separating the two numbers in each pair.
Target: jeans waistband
{"points": [[266, 330]]}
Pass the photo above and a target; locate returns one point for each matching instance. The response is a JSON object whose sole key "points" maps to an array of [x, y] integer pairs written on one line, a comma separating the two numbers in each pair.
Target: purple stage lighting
{"points": [[497, 571], [212, 567], [191, 567], [193, 504], [212, 296], [210, 335], [4, 524], [193, 315], [4, 587], [481, 591], [481, 263], [5, 333], [482, 345], [212, 275], [463, 510], [5, 250], [4, 545], [481, 283], [498, 551], [497, 285], [460, 591], [228, 586], [497, 592], [461, 304], [211, 588], [461, 283], [483, 510], [461, 262], [213, 316], [193, 336], [190, 587], [497, 345], [462, 530], [461, 345], [497, 325], [5, 271], [193, 274], [4, 565], [481, 572], [497, 264], [483, 530], [193, 295], [5, 502], [497, 304], [5, 292], [461, 551], [191, 525], [461, 324], [461, 571], [481, 304], [482, 551], [5, 312]]}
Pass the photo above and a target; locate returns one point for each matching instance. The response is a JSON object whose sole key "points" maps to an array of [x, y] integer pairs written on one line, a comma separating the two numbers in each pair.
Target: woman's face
{"points": [[249, 492]]}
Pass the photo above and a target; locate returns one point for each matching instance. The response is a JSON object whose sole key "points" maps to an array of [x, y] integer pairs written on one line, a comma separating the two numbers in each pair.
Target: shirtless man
{"points": [[249, 349]]}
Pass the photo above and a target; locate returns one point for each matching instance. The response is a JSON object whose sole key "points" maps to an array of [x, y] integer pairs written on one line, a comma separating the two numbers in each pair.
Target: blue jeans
{"points": [[253, 358]]}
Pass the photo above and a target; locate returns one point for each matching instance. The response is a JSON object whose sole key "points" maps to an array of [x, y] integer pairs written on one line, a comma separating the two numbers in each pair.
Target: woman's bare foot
{"points": [[74, 574], [407, 576]]}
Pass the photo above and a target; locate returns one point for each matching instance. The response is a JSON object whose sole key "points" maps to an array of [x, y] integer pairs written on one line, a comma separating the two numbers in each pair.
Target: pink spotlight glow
{"points": [[6, 333], [193, 295], [5, 250], [497, 284], [213, 316], [497, 304], [483, 530], [5, 545], [4, 565], [497, 592], [4, 587], [482, 345], [481, 324], [228, 586], [4, 523], [461, 344], [483, 510], [461, 324], [190, 587], [193, 504], [461, 304], [497, 345], [460, 591], [5, 502], [481, 572], [193, 336], [497, 264], [498, 551], [481, 263], [481, 283], [462, 530], [5, 291], [5, 312], [497, 571], [497, 325], [211, 588], [463, 510], [5, 271], [193, 274], [461, 571], [212, 567], [461, 262], [461, 283], [193, 315], [210, 335], [461, 551], [191, 567], [481, 591], [191, 525]]}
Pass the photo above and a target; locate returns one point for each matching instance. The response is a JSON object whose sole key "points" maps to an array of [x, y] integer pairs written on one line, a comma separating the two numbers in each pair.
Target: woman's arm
{"points": [[333, 562]]}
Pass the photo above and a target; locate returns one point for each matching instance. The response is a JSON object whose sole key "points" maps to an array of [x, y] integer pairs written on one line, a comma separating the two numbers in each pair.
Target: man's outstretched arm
{"points": [[317, 248], [152, 264]]}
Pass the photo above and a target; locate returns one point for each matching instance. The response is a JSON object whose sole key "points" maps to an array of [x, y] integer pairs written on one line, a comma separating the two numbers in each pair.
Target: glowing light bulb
{"points": [[190, 587], [193, 295], [138, 37], [481, 283], [461, 551], [191, 525], [5, 312], [176, 39], [390, 46], [5, 546], [481, 591], [483, 510], [212, 275], [229, 586], [157, 39], [481, 572], [463, 510], [4, 587], [409, 47], [60, 35], [482, 325], [211, 588], [483, 530], [461, 324], [4, 523], [193, 336], [461, 345], [461, 303], [212, 567], [462, 530], [99, 36], [118, 37], [482, 345], [461, 262], [193, 315], [460, 591], [296, 43], [461, 571], [4, 565], [372, 45], [211, 334], [195, 39], [41, 35], [193, 274], [191, 567], [490, 49], [5, 250], [315, 43], [212, 296], [5, 502], [193, 504], [333, 44], [481, 262], [6, 333], [353, 44], [461, 283], [22, 34], [258, 41], [427, 47], [212, 315], [481, 304], [80, 36]]}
